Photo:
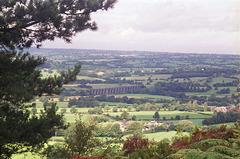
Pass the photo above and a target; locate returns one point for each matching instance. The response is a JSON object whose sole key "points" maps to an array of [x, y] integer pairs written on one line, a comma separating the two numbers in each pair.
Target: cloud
{"points": [[164, 25]]}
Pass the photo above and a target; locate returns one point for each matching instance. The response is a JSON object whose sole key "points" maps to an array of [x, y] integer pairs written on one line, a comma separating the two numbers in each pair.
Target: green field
{"points": [[146, 77], [148, 115], [27, 155], [144, 96], [161, 135], [88, 78], [197, 122], [142, 115], [46, 74]]}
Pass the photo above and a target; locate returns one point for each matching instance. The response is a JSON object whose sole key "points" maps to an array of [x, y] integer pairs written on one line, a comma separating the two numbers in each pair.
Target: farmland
{"points": [[179, 87]]}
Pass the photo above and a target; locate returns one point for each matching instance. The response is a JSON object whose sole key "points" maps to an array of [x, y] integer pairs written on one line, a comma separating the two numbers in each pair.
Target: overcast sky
{"points": [[190, 26]]}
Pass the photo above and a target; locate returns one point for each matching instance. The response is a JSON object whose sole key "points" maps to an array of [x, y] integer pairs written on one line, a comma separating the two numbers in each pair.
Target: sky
{"points": [[187, 26]]}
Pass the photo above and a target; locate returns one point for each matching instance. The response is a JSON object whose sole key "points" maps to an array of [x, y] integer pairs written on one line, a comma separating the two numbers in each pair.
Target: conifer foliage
{"points": [[22, 24]]}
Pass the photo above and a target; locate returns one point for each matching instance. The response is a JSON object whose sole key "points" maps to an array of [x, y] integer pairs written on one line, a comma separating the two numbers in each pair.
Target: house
{"points": [[221, 109], [212, 107], [153, 123], [145, 128]]}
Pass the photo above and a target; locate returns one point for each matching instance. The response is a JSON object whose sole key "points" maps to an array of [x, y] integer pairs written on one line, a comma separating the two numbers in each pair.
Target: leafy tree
{"points": [[23, 23], [186, 125], [107, 108], [205, 106], [124, 115], [161, 128], [135, 127], [115, 130], [177, 117], [134, 117], [171, 127], [133, 143], [194, 105], [95, 110], [156, 115], [190, 105], [179, 131], [129, 108], [79, 139]]}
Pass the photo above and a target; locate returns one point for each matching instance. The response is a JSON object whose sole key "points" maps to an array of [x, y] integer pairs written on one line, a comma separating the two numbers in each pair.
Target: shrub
{"points": [[133, 143]]}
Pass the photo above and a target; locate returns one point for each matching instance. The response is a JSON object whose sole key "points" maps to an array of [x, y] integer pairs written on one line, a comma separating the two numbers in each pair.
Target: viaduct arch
{"points": [[115, 90]]}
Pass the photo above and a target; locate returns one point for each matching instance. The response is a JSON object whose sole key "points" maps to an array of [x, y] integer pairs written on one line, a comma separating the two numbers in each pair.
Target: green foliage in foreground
{"points": [[20, 83], [22, 133]]}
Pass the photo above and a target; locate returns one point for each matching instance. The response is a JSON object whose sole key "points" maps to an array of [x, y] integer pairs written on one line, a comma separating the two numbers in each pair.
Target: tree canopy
{"points": [[25, 22]]}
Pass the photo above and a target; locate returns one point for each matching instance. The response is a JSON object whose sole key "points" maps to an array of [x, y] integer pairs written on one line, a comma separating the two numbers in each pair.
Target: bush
{"points": [[133, 143], [95, 111], [161, 150]]}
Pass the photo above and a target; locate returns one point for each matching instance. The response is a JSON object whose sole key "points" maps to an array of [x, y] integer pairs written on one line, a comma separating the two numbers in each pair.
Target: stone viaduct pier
{"points": [[114, 90]]}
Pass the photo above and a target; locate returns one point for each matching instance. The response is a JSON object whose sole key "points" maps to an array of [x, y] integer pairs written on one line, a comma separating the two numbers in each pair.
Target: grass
{"points": [[76, 88], [197, 122], [109, 103], [27, 155], [148, 115], [88, 78], [165, 76], [62, 104], [233, 90], [161, 135], [221, 79], [229, 125], [47, 74], [56, 139]]}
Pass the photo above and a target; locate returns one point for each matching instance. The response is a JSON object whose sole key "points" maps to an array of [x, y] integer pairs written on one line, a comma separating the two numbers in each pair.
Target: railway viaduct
{"points": [[115, 90]]}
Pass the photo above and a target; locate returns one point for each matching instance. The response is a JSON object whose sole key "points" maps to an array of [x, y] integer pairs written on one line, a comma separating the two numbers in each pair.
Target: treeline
{"points": [[227, 84], [224, 91], [222, 118], [203, 72], [212, 100], [190, 75], [125, 99], [178, 90], [106, 81], [83, 102], [172, 88], [91, 101]]}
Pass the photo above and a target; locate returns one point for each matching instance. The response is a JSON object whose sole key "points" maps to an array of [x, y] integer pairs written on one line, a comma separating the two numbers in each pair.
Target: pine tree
{"points": [[22, 24], [25, 22]]}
